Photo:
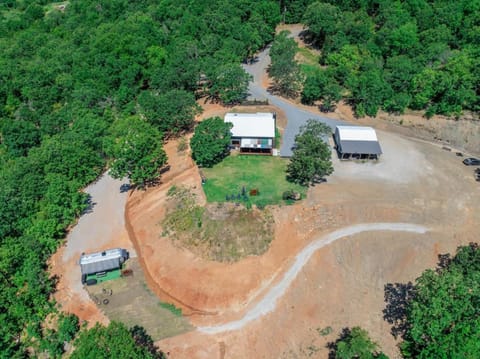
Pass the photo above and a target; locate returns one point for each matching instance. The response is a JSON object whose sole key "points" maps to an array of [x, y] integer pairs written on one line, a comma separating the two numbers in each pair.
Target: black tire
{"points": [[105, 301], [91, 281]]}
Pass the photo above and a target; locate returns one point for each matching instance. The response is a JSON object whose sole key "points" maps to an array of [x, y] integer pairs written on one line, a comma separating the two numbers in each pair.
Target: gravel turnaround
{"points": [[269, 301]]}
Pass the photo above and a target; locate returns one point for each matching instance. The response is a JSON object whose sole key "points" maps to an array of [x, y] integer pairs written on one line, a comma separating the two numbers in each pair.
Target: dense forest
{"points": [[77, 82], [417, 54], [90, 84]]}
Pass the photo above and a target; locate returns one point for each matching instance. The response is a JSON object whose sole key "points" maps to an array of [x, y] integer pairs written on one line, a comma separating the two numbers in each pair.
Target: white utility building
{"points": [[357, 142]]}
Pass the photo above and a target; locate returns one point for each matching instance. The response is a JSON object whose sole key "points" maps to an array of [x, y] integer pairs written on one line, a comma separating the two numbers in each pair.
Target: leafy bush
{"points": [[210, 142]]}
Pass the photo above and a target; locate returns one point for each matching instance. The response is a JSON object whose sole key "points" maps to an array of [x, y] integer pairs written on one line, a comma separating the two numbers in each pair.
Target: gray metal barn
{"points": [[357, 142]]}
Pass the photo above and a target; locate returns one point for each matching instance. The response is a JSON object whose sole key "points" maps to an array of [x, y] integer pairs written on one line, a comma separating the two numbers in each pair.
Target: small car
{"points": [[471, 161]]}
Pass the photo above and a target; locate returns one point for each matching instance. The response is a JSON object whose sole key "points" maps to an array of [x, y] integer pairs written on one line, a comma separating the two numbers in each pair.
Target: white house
{"points": [[253, 132]]}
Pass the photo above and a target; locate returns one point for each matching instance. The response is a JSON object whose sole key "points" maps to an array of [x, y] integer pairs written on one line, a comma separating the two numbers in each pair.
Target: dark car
{"points": [[477, 171], [471, 161]]}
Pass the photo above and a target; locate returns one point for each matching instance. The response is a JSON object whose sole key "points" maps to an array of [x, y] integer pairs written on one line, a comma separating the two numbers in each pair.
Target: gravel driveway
{"points": [[295, 117], [269, 301]]}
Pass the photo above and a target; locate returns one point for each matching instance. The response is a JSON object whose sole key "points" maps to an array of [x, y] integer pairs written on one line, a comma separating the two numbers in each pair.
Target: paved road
{"points": [[295, 117], [269, 301]]}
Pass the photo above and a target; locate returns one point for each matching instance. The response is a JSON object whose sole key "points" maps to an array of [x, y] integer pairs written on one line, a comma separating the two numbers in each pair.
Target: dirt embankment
{"points": [[342, 285]]}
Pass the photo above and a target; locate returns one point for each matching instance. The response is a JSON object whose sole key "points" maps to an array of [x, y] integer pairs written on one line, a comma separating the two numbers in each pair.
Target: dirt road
{"points": [[269, 301]]}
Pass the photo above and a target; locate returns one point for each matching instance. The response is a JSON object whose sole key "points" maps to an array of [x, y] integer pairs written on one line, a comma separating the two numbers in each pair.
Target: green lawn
{"points": [[264, 173]]}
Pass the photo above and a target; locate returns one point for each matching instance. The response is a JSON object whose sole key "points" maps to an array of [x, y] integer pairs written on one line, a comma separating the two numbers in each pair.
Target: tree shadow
{"points": [[397, 297], [332, 346], [90, 204], [125, 187]]}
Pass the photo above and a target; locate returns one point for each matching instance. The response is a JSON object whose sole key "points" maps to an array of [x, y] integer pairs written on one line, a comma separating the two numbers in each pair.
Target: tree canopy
{"points": [[443, 315], [311, 160], [115, 341], [88, 85], [355, 344], [210, 142], [394, 55], [137, 149], [284, 69]]}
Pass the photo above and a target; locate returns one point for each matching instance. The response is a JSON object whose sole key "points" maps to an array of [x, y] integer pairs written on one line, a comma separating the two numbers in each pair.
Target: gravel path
{"points": [[101, 227], [296, 117], [269, 301]]}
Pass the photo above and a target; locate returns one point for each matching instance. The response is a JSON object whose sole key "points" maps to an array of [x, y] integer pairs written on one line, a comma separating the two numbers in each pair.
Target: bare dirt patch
{"points": [[222, 232], [343, 284]]}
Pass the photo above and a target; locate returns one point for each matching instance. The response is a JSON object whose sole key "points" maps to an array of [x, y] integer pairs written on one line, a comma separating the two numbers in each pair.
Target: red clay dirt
{"points": [[343, 283]]}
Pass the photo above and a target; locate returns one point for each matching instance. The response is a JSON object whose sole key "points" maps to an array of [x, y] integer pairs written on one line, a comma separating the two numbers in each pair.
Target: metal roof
{"points": [[103, 261], [356, 133], [253, 125], [360, 147], [357, 139]]}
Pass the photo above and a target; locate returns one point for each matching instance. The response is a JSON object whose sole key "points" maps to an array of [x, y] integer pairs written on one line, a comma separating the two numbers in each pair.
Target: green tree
{"points": [[211, 141], [356, 344], [284, 69], [321, 19], [442, 317], [172, 112], [228, 84], [19, 136], [111, 342], [321, 85], [311, 160], [137, 150]]}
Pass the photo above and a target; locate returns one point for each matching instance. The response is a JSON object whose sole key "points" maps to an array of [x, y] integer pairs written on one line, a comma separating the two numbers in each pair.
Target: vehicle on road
{"points": [[471, 161]]}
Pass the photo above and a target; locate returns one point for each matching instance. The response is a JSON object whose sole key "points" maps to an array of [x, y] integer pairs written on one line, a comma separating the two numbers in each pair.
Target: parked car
{"points": [[471, 161], [477, 171], [477, 177]]}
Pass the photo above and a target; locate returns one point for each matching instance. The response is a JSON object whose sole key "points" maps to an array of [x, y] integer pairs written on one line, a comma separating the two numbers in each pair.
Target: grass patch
{"points": [[307, 56], [132, 302], [310, 70], [267, 174], [171, 308], [220, 232], [278, 138]]}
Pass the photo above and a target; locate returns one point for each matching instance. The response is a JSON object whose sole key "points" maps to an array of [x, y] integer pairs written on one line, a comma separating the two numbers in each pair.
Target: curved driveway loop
{"points": [[269, 301]]}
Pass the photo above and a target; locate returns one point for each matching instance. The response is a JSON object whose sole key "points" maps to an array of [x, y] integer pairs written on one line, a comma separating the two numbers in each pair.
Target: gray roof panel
{"points": [[360, 147]]}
